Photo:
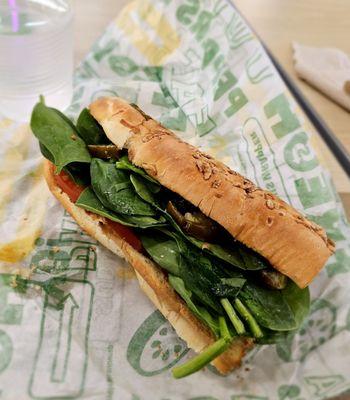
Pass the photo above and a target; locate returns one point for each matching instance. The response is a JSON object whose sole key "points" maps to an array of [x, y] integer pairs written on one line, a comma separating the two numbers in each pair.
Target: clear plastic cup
{"points": [[36, 55]]}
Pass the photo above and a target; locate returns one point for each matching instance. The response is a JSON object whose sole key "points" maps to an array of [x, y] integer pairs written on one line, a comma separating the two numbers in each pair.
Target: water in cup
{"points": [[36, 55]]}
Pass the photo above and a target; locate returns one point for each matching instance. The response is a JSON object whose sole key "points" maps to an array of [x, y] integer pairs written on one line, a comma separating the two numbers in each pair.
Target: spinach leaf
{"points": [[252, 260], [239, 255], [197, 272], [272, 337], [202, 359], [89, 201], [64, 117], [78, 172], [163, 250], [115, 191], [232, 315], [213, 249], [268, 307], [180, 267], [298, 300], [58, 136], [90, 130], [199, 285], [230, 256], [228, 287], [46, 153], [200, 312], [125, 164], [142, 189], [212, 278], [182, 245]]}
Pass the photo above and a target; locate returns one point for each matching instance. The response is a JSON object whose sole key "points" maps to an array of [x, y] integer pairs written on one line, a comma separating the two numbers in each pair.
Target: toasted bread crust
{"points": [[152, 280], [292, 244]]}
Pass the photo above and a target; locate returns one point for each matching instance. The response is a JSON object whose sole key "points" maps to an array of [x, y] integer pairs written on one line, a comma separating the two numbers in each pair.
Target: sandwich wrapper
{"points": [[78, 326]]}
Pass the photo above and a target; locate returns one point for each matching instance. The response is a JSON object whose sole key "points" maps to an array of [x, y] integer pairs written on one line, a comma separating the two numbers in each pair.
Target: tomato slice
{"points": [[74, 190], [126, 234]]}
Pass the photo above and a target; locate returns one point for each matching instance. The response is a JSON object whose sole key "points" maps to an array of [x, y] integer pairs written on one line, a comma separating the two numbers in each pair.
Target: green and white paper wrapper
{"points": [[198, 68]]}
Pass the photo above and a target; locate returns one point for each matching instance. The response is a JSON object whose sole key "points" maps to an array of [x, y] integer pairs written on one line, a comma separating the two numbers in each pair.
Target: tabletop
{"points": [[278, 23]]}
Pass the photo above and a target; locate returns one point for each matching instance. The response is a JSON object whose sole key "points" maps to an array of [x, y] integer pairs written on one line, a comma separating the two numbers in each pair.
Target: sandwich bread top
{"points": [[293, 245]]}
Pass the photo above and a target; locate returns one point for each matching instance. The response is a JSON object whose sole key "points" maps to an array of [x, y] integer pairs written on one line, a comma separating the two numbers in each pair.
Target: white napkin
{"points": [[327, 69]]}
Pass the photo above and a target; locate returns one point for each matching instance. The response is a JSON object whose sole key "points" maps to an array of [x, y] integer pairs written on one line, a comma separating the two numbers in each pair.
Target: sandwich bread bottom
{"points": [[153, 282]]}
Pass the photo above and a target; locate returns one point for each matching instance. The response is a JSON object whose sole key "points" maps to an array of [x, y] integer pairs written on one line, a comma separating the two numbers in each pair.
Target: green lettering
{"points": [[237, 32], [271, 187], [10, 314], [143, 341], [298, 154], [6, 350], [100, 52], [288, 120], [206, 127], [183, 12], [313, 191], [330, 221], [51, 261], [158, 99], [202, 25], [122, 65], [288, 392], [226, 82], [341, 264], [211, 48], [218, 62], [238, 100], [176, 123], [153, 74]]}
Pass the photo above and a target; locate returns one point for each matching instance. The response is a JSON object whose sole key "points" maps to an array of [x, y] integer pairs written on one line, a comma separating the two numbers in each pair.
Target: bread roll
{"points": [[293, 245]]}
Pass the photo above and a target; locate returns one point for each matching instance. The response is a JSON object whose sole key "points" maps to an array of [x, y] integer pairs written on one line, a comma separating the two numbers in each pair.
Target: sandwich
{"points": [[226, 262]]}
